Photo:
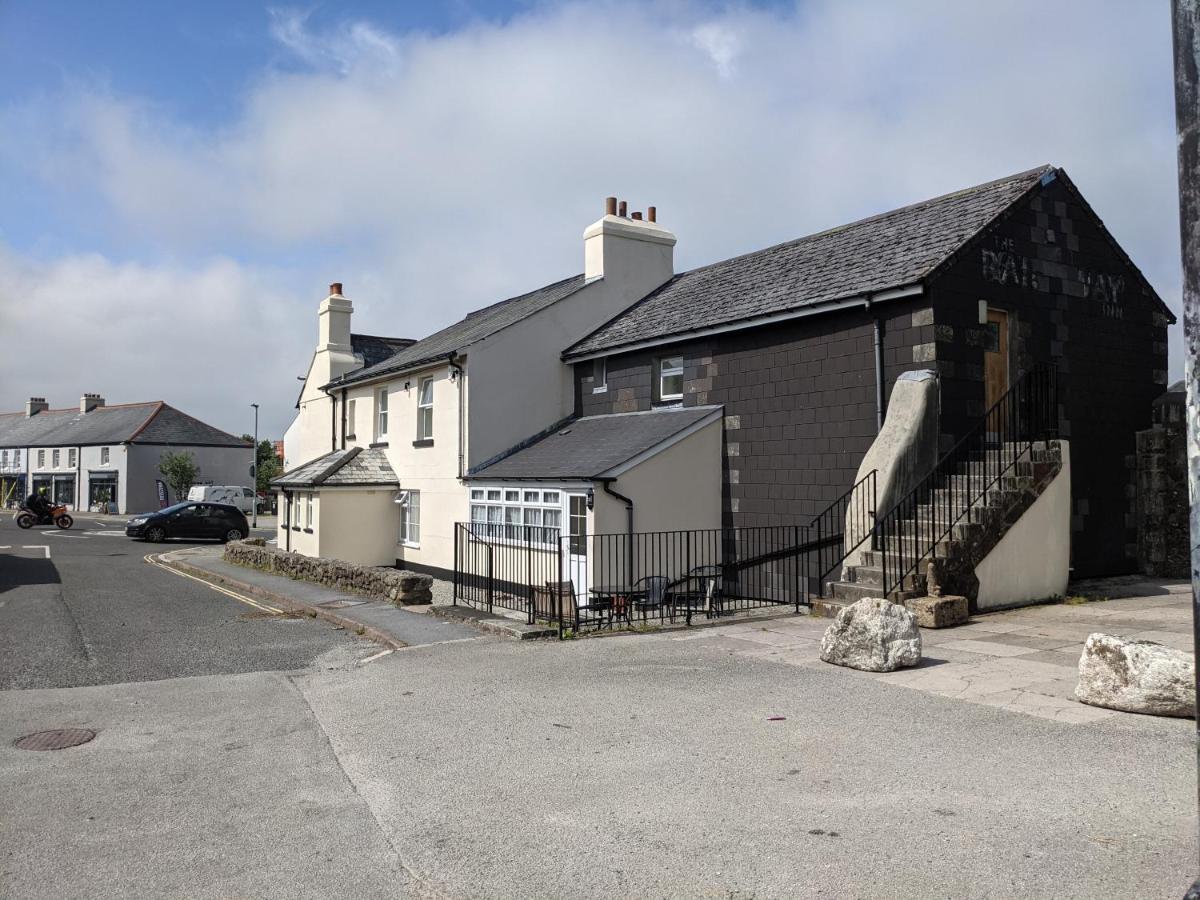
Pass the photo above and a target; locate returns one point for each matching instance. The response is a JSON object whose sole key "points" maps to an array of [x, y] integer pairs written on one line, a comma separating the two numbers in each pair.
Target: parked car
{"points": [[218, 521], [234, 495]]}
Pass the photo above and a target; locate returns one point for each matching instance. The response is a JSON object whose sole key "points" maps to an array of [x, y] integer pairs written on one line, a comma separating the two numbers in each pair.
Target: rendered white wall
{"points": [[1033, 560]]}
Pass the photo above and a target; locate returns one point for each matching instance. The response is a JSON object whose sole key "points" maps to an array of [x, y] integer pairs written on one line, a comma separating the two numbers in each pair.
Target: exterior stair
{"points": [[978, 509]]}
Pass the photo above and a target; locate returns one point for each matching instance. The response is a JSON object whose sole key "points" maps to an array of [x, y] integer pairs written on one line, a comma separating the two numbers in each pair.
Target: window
{"points": [[599, 375], [425, 410], [577, 524], [41, 459], [350, 418], [517, 514], [104, 456], [410, 518], [382, 424], [3, 457], [56, 455], [308, 511], [670, 378], [71, 458]]}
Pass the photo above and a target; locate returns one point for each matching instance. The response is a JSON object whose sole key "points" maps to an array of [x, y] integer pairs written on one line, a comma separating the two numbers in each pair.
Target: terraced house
{"points": [[746, 394], [105, 458]]}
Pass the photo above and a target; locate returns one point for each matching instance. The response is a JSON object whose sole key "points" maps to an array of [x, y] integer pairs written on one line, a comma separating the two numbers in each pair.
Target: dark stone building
{"points": [[800, 343]]}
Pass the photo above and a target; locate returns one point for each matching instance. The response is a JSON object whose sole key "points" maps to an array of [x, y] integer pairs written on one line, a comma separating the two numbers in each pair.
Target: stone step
{"points": [[849, 592], [873, 575]]}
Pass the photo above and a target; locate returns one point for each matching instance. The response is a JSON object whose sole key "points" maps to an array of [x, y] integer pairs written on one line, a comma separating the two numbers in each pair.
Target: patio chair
{"points": [[698, 591], [546, 606], [649, 593]]}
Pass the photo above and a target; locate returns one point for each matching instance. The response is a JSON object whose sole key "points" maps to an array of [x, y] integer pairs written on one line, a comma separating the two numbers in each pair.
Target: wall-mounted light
{"points": [[591, 499], [407, 385]]}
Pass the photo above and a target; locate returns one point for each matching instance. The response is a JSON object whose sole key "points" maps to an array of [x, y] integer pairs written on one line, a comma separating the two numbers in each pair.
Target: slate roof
{"points": [[136, 423], [374, 349], [889, 250], [342, 468], [474, 327], [588, 447]]}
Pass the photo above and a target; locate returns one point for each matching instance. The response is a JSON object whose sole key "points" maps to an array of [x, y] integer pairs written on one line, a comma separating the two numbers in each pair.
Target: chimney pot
{"points": [[637, 216], [610, 206], [335, 288], [652, 213], [621, 207]]}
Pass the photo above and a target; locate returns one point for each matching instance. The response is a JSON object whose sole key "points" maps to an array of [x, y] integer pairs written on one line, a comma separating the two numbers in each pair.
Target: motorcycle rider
{"points": [[38, 503]]}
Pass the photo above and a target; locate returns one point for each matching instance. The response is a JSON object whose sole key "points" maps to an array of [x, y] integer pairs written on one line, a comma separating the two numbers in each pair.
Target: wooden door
{"points": [[995, 358]]}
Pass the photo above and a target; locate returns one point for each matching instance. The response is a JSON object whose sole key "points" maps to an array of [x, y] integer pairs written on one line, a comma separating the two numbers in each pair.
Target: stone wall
{"points": [[394, 585], [1162, 502]]}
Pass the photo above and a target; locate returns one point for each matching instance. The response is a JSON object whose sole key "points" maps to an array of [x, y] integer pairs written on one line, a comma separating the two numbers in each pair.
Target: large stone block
{"points": [[939, 612], [874, 635], [1136, 676]]}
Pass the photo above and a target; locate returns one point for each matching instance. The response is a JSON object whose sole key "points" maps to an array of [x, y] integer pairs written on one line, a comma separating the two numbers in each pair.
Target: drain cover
{"points": [[59, 739]]}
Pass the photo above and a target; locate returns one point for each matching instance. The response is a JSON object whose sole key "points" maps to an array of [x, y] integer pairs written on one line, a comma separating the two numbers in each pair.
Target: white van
{"points": [[241, 497]]}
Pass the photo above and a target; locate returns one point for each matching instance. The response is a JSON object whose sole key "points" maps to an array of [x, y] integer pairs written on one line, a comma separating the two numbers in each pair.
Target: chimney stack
{"points": [[333, 317], [35, 405], [628, 251], [88, 402]]}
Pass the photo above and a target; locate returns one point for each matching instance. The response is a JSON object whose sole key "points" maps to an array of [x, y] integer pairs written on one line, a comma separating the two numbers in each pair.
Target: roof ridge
{"points": [[1040, 170], [150, 418]]}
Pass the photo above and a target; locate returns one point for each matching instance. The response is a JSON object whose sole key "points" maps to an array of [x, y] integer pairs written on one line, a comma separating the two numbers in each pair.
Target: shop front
{"points": [[102, 491]]}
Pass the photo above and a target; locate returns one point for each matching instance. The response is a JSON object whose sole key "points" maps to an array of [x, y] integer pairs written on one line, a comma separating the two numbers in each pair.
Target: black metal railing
{"points": [[843, 526], [916, 529]]}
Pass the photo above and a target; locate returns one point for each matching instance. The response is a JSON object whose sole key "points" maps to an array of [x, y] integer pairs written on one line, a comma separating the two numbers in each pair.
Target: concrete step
{"points": [[873, 575], [849, 592]]}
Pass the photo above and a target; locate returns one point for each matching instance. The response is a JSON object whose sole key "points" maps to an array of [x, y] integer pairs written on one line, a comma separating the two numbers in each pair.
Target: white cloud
{"points": [[436, 173]]}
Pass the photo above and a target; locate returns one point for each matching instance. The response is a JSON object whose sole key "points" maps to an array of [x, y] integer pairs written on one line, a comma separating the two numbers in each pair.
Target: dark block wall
{"points": [[1073, 301], [799, 400]]}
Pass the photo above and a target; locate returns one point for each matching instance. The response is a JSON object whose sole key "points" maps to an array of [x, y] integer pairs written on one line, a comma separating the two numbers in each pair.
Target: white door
{"points": [[575, 550]]}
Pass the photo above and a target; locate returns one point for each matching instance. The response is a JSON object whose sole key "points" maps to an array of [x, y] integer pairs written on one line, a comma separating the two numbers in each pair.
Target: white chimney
{"points": [[35, 405], [334, 318], [88, 402], [636, 254]]}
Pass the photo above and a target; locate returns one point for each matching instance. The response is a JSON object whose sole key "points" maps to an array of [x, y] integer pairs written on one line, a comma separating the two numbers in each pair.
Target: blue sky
{"points": [[182, 180]]}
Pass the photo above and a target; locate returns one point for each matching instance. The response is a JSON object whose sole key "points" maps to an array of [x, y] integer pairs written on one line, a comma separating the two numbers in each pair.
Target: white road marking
{"points": [[6, 547], [150, 558], [381, 653], [37, 547], [63, 534]]}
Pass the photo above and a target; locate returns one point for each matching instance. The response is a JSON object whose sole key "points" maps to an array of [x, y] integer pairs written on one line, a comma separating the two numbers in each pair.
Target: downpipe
{"points": [[607, 485]]}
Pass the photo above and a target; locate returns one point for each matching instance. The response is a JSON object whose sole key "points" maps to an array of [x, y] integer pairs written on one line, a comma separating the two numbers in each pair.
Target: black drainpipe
{"points": [[607, 484], [459, 381], [878, 365], [343, 418], [287, 523], [332, 422]]}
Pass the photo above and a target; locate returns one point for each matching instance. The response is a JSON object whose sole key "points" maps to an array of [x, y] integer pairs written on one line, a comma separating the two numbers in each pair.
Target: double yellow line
{"points": [[262, 607]]}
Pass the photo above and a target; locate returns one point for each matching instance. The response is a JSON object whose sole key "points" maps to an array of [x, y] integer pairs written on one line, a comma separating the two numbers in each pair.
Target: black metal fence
{"points": [[913, 531], [578, 581]]}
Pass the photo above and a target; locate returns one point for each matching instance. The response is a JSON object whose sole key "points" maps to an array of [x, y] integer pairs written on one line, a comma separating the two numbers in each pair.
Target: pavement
{"points": [[710, 763], [385, 623]]}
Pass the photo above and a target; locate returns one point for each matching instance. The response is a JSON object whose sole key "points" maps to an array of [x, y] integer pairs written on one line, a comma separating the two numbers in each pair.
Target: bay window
{"points": [[517, 514]]}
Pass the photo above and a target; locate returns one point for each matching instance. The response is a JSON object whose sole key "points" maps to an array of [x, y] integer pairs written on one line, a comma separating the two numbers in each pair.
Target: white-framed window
{"points": [[670, 378], [308, 510], [600, 375], [71, 458], [284, 511], [104, 456], [41, 459], [381, 420], [425, 410], [519, 514], [350, 404], [56, 458], [410, 518]]}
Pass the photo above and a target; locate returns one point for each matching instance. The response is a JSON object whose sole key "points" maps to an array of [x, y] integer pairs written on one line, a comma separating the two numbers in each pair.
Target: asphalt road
{"points": [[82, 607]]}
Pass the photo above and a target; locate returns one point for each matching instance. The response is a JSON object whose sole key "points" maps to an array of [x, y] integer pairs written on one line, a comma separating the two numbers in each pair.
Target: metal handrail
{"points": [[1003, 437]]}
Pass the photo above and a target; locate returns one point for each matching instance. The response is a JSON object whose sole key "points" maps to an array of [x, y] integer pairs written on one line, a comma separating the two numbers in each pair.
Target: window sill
{"points": [[409, 545], [669, 403], [351, 437], [600, 390], [295, 527], [308, 531], [379, 445], [423, 442]]}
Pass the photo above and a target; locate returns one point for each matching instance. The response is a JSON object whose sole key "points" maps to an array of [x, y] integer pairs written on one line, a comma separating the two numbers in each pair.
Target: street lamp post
{"points": [[254, 469]]}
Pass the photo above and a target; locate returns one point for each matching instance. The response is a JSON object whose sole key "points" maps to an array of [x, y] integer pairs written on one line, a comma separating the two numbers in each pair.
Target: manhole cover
{"points": [[59, 739]]}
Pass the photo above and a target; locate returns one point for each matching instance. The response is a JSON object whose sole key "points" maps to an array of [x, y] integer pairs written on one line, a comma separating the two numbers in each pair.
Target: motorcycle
{"points": [[27, 518]]}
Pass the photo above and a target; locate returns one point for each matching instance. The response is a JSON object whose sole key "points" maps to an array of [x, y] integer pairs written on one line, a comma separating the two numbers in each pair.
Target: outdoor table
{"points": [[614, 598]]}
